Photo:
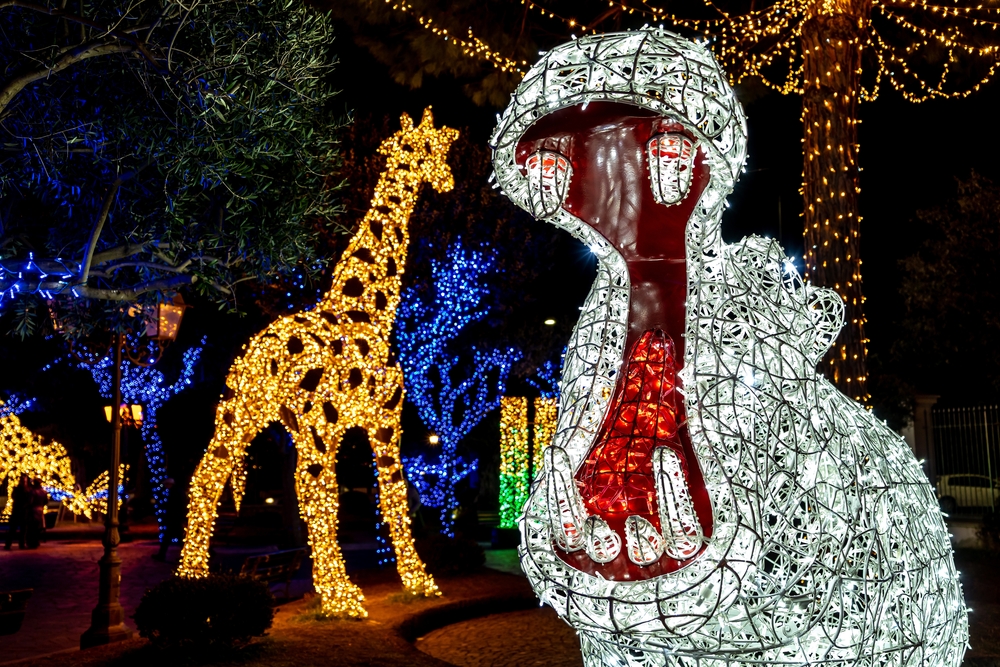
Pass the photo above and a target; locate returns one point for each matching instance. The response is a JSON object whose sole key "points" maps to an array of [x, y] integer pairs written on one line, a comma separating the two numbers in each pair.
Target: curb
{"points": [[429, 620]]}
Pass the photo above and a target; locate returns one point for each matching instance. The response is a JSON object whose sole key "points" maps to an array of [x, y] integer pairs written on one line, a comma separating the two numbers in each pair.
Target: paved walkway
{"points": [[64, 576], [533, 637]]}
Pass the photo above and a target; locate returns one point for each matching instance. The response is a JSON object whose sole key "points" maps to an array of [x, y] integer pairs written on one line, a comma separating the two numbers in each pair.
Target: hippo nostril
{"points": [[549, 174], [671, 165]]}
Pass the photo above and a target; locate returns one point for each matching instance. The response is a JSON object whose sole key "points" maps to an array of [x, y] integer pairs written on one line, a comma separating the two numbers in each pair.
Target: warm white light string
{"points": [[828, 547]]}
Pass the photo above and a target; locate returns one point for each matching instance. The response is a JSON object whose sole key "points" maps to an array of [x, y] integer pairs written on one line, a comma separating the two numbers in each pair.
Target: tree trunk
{"points": [[831, 63]]}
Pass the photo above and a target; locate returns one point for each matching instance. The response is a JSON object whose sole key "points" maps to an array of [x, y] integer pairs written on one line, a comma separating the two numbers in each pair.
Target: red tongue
{"points": [[616, 479]]}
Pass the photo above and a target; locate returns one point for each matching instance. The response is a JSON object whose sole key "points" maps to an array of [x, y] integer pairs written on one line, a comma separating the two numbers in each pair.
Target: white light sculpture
{"points": [[826, 545]]}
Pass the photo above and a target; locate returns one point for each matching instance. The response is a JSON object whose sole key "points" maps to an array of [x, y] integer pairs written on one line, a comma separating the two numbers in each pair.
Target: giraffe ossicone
{"points": [[708, 499], [322, 371]]}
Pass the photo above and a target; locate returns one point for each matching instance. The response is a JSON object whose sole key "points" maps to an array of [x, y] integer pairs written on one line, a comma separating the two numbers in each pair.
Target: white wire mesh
{"points": [[828, 547]]}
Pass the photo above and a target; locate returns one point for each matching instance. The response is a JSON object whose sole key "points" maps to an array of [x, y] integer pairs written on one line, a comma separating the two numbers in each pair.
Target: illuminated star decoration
{"points": [[147, 386], [328, 369], [451, 396], [827, 545]]}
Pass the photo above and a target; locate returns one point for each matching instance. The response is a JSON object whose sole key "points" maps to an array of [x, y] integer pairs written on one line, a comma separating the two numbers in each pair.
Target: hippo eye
{"points": [[549, 174], [671, 165]]}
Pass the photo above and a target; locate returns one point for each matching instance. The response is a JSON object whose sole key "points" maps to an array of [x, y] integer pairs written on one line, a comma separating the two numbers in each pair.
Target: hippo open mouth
{"points": [[637, 506]]}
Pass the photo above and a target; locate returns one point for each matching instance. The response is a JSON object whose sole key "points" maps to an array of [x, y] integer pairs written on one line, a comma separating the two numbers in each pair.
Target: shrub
{"points": [[220, 610], [450, 555]]}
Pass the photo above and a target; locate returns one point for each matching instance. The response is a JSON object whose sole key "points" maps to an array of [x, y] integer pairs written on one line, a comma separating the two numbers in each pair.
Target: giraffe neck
{"points": [[366, 280]]}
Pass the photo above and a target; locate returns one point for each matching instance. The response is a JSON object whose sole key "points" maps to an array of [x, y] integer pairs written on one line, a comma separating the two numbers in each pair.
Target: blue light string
{"points": [[429, 320]]}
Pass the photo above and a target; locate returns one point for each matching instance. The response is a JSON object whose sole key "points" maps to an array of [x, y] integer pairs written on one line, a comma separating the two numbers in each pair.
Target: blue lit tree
{"points": [[453, 386], [153, 146], [146, 386]]}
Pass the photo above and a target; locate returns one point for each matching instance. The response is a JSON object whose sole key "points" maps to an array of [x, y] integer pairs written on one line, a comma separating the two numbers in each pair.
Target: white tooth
{"points": [[566, 511], [549, 174], [603, 544], [682, 533], [644, 544], [671, 165]]}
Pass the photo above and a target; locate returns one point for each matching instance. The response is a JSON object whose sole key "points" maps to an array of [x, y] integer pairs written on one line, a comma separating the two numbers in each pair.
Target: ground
{"points": [[460, 628]]}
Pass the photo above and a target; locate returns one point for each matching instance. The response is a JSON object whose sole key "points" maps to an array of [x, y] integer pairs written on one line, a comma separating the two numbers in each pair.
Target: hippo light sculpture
{"points": [[708, 499]]}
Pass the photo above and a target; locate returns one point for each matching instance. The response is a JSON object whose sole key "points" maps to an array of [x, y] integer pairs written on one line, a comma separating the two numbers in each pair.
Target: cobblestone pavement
{"points": [[533, 637], [64, 576]]}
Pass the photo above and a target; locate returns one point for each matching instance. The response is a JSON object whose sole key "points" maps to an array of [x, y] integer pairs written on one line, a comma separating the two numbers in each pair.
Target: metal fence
{"points": [[967, 458]]}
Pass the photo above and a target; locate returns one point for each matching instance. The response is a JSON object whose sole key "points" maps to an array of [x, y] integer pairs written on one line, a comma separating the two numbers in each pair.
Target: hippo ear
{"points": [[826, 309], [405, 122]]}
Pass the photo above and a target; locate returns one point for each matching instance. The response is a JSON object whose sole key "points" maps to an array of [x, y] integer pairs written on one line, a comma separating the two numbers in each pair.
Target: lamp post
{"points": [[107, 621]]}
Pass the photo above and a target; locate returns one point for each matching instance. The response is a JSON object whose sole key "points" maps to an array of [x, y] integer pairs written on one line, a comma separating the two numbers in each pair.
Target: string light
{"points": [[516, 451], [94, 500], [322, 371], [827, 545], [472, 47], [451, 397]]}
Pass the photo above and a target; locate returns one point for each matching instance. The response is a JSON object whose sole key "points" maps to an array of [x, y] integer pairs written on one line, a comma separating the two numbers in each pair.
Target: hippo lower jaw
{"points": [[639, 486]]}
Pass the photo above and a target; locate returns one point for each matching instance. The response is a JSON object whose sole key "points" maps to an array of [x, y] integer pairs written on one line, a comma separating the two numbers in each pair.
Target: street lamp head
{"points": [[164, 320], [433, 439], [549, 322]]}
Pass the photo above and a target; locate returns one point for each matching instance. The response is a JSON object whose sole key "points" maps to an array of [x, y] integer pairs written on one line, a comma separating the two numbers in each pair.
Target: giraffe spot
{"points": [[380, 301], [363, 346], [354, 378], [227, 393], [228, 418], [318, 441], [338, 347], [329, 317], [385, 461], [384, 210], [319, 341], [288, 418], [394, 401], [371, 277], [315, 469], [359, 316], [397, 476], [270, 335], [220, 452], [365, 255], [390, 268], [371, 381], [395, 200], [300, 320], [384, 434], [311, 379], [399, 235], [274, 367], [306, 407], [376, 228], [330, 413], [295, 345], [353, 287]]}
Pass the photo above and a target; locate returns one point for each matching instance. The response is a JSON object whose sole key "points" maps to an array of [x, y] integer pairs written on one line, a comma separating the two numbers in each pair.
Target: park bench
{"points": [[12, 608], [274, 568]]}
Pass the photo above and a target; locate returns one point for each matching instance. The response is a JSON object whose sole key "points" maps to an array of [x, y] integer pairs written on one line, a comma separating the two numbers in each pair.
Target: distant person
{"points": [[173, 520], [18, 495], [38, 499]]}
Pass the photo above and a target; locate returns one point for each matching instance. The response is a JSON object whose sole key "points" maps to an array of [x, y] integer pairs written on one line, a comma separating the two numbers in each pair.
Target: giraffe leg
{"points": [[384, 438], [234, 429], [316, 483]]}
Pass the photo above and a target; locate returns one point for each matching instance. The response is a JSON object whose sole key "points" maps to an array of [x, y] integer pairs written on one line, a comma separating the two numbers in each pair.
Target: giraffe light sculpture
{"points": [[328, 369], [709, 499]]}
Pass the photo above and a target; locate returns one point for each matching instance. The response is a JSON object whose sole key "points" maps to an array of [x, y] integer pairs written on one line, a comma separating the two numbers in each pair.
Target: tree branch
{"points": [[88, 256], [17, 84], [131, 293], [121, 252]]}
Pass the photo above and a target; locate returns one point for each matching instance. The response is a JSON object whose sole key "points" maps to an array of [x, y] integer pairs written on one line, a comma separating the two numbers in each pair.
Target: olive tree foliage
{"points": [[150, 146]]}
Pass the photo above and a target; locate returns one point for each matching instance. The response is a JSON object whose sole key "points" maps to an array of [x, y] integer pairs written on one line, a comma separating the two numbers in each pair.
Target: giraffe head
{"points": [[421, 151]]}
